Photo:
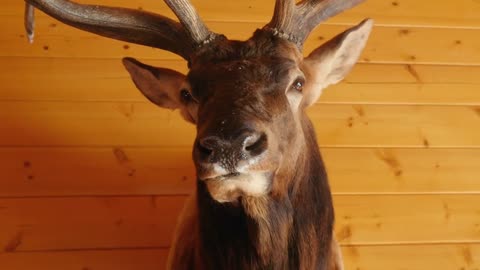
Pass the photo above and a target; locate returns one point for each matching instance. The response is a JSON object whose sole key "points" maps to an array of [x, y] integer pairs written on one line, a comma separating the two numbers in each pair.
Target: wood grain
{"points": [[420, 257], [81, 151], [129, 259], [414, 257], [407, 219], [95, 171], [462, 13], [406, 44], [87, 222], [27, 172], [30, 224]]}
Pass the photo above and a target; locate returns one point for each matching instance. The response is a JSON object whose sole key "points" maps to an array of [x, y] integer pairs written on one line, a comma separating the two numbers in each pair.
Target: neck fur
{"points": [[289, 230]]}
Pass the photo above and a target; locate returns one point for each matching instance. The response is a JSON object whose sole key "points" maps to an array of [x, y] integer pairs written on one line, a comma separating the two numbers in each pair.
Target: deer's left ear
{"points": [[332, 61]]}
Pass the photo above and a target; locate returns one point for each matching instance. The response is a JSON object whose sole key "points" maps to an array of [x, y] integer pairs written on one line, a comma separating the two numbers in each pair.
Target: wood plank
{"points": [[168, 171], [143, 124], [95, 171], [126, 222], [403, 170], [461, 13], [408, 126], [419, 74], [404, 257], [386, 44], [413, 257], [405, 94], [106, 80], [88, 222], [47, 123], [130, 259], [412, 218]]}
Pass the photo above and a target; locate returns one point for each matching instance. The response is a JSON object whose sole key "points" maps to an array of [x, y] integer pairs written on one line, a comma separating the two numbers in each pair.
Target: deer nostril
{"points": [[204, 150], [255, 144], [207, 145]]}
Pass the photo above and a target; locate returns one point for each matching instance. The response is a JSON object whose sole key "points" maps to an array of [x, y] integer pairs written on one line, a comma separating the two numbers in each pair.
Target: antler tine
{"points": [[29, 22], [303, 17], [192, 22], [317, 11], [126, 24], [282, 15]]}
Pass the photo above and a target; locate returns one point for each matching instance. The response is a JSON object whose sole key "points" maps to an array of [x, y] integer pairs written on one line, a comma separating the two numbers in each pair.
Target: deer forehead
{"points": [[245, 74]]}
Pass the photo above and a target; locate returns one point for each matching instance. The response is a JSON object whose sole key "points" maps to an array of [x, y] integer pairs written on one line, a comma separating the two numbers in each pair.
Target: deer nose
{"points": [[245, 146]]}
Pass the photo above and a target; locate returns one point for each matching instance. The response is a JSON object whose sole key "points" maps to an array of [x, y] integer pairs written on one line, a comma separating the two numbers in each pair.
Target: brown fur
{"points": [[262, 199], [264, 204], [291, 227], [276, 232]]}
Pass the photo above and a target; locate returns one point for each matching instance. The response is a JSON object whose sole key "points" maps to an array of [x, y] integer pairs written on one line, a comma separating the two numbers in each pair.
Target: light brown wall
{"points": [[92, 176]]}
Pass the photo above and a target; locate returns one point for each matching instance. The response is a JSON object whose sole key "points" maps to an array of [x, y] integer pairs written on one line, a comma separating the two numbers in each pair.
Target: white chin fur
{"points": [[230, 189]]}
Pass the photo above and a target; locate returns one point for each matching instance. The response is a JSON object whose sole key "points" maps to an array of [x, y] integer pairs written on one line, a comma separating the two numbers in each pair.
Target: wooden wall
{"points": [[92, 176]]}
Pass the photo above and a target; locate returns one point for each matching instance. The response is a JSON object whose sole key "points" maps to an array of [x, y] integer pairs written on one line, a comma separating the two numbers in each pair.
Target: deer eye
{"points": [[185, 95], [298, 84]]}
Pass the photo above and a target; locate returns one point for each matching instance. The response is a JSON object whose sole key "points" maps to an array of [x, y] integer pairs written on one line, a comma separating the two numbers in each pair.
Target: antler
{"points": [[295, 21], [131, 25], [190, 19]]}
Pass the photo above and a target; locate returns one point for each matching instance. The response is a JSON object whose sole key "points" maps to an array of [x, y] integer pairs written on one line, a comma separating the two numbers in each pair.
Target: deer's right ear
{"points": [[166, 88], [332, 61]]}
